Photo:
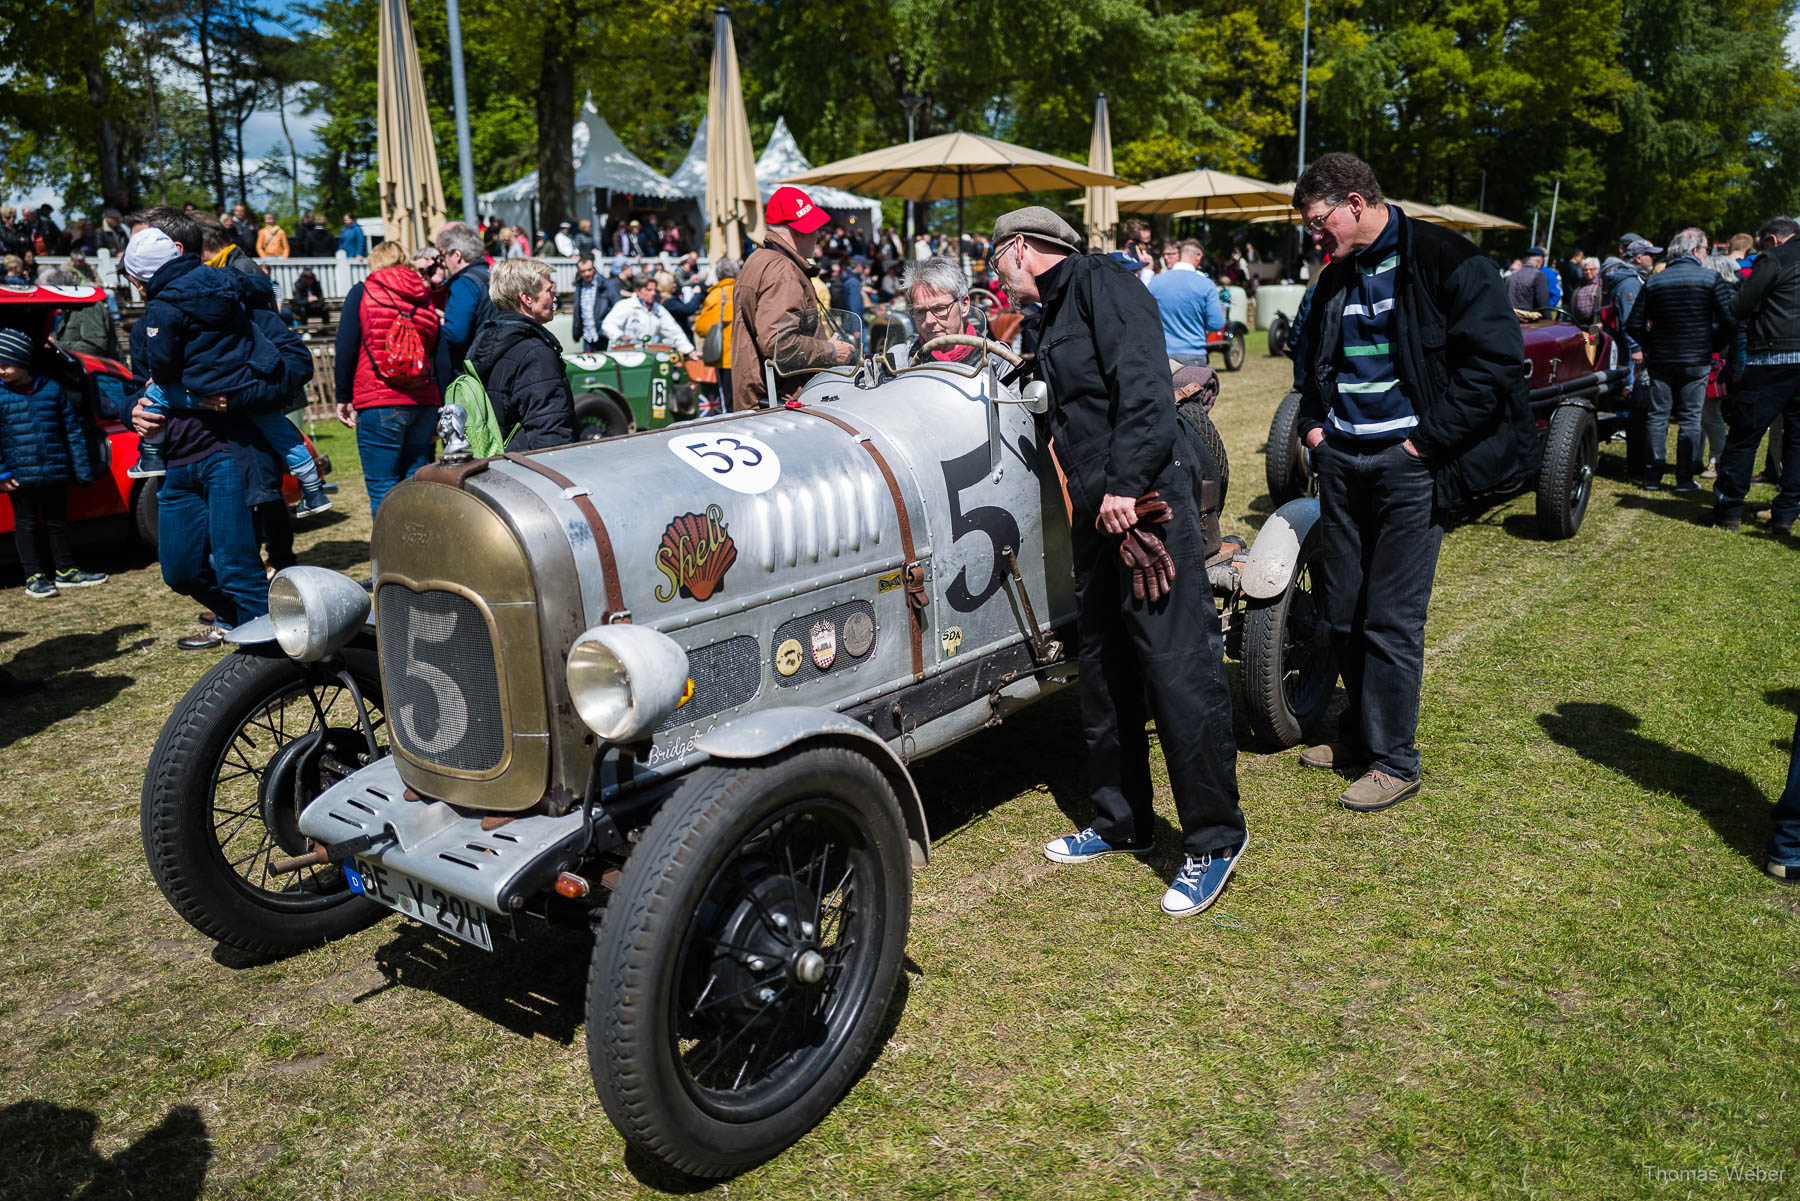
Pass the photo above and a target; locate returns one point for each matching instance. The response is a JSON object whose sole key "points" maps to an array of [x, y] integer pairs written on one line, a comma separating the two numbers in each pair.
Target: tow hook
{"points": [[321, 854]]}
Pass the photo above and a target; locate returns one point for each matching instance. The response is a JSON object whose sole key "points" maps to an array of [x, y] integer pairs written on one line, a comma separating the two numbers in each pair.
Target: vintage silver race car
{"points": [[667, 687]]}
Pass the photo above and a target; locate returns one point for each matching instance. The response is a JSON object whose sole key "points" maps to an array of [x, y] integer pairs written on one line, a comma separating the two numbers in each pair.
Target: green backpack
{"points": [[481, 422]]}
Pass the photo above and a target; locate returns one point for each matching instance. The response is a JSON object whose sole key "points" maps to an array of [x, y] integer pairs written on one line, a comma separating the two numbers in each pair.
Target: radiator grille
{"points": [[725, 675], [800, 629], [439, 677]]}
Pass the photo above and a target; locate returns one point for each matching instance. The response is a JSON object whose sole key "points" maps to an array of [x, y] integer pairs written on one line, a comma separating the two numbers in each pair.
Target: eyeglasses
{"points": [[1318, 223], [940, 312]]}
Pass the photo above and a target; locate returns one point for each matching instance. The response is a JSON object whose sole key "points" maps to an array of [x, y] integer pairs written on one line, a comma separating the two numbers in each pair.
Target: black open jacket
{"points": [[521, 366], [1460, 357], [1770, 300], [1101, 351]]}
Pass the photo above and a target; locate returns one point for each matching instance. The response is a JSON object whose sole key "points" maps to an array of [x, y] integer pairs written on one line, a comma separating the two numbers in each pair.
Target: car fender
{"points": [[758, 735], [1269, 567], [252, 633]]}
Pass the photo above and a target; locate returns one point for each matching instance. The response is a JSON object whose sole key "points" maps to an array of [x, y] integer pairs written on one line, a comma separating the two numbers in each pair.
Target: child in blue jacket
{"points": [[202, 343], [42, 451]]}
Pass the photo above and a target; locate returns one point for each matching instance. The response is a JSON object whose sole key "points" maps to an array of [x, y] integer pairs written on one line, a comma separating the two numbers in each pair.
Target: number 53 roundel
{"points": [[737, 461]]}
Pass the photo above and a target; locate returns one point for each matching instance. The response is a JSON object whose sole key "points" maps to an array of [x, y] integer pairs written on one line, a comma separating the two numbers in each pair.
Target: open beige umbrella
{"points": [[1102, 207], [733, 204], [954, 164], [1203, 193], [1468, 218], [412, 192]]}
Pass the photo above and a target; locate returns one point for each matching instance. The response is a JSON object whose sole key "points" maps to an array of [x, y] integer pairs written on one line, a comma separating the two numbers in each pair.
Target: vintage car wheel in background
{"points": [[600, 415], [1217, 466], [746, 961], [144, 511], [1284, 462], [1566, 480], [1235, 353], [1279, 329], [1288, 665], [253, 741]]}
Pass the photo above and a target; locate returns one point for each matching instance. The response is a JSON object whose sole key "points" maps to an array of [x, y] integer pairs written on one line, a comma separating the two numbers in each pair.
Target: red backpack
{"points": [[401, 357]]}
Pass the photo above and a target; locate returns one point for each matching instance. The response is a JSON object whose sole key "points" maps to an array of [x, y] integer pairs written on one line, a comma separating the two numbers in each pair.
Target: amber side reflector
{"points": [[572, 886]]}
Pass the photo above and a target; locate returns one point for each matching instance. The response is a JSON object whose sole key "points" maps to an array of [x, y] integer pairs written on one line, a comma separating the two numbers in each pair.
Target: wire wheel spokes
{"points": [[244, 797], [1305, 656], [778, 961]]}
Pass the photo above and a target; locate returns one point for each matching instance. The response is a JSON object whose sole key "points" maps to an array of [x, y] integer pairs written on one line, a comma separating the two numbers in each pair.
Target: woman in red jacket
{"points": [[385, 389]]}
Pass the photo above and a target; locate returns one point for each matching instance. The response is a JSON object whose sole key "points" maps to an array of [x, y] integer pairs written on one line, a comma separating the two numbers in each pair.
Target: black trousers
{"points": [[1381, 535], [1765, 394], [41, 527], [1172, 651]]}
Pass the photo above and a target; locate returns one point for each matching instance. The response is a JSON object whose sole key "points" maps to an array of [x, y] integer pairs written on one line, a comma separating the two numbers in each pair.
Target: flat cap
{"points": [[1036, 221]]}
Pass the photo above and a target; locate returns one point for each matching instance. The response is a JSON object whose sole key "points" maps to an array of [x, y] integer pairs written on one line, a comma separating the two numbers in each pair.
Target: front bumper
{"points": [[430, 841]]}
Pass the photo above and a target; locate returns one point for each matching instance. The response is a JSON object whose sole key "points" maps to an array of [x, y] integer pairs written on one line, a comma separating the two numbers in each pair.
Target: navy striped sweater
{"points": [[1370, 404]]}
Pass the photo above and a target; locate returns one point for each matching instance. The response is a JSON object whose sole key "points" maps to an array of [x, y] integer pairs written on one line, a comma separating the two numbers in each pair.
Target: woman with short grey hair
{"points": [[937, 297]]}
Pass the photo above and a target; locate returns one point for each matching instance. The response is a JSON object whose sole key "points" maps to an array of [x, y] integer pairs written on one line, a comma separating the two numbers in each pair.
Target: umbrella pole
{"points": [[959, 215]]}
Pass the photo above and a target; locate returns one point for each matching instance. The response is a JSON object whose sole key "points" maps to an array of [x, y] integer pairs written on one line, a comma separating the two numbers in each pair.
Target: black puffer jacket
{"points": [[521, 367], [1770, 300], [1459, 355], [1682, 315]]}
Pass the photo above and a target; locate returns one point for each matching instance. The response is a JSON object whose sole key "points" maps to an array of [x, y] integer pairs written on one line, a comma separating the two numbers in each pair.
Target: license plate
{"points": [[420, 901]]}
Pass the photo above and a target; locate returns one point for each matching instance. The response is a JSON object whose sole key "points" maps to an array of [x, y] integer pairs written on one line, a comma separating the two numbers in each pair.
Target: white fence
{"points": [[339, 274]]}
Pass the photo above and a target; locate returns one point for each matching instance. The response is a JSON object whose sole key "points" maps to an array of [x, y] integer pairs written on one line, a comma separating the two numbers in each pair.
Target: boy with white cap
{"points": [[203, 343]]}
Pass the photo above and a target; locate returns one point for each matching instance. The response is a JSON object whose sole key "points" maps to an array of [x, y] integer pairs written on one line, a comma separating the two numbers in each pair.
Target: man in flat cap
{"points": [[1129, 463]]}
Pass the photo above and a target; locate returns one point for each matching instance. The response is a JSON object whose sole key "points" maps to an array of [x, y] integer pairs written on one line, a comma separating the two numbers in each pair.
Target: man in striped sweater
{"points": [[1414, 401]]}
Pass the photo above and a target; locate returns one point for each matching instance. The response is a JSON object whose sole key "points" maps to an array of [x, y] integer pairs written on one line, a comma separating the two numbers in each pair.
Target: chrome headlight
{"points": [[315, 611], [625, 679]]}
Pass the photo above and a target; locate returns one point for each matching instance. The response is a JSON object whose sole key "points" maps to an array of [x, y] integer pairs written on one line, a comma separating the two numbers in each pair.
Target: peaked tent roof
{"points": [[690, 177], [601, 161], [781, 158]]}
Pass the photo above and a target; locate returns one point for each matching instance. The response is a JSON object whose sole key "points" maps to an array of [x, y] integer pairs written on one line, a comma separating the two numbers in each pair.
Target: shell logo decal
{"points": [[695, 553]]}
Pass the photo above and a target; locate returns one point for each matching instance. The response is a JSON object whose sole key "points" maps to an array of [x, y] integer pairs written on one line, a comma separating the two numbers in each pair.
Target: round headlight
{"points": [[315, 611], [625, 679]]}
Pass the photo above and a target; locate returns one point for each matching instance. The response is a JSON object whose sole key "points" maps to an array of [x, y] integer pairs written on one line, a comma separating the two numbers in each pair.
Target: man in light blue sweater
{"points": [[1189, 302]]}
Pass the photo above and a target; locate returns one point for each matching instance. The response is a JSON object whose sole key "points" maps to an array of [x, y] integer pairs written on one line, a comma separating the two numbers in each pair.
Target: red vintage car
{"points": [[1580, 385], [105, 390]]}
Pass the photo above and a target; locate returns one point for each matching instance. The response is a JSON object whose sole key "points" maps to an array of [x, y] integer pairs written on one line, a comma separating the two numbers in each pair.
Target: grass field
{"points": [[1557, 973]]}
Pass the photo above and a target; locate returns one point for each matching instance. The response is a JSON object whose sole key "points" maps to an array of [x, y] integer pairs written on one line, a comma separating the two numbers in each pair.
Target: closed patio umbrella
{"points": [[954, 164], [412, 192], [1102, 204], [733, 204]]}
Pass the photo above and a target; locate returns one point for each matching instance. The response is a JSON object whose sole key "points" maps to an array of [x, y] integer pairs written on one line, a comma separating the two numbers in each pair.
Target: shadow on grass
{"points": [[68, 688], [51, 1156], [1607, 735], [338, 554], [1695, 508], [535, 988]]}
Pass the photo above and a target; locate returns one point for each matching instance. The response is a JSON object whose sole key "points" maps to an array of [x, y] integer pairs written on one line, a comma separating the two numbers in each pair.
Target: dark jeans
{"points": [[206, 539], [41, 527], [275, 530], [1380, 539], [1677, 393], [1765, 394], [1173, 652], [1784, 838], [394, 441], [590, 345]]}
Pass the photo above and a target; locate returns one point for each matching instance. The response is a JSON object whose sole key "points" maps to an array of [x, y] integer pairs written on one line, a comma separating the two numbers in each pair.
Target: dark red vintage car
{"points": [[1580, 384], [105, 391]]}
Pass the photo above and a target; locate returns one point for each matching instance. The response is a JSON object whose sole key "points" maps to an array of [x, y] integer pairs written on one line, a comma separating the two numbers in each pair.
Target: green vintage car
{"points": [[619, 391]]}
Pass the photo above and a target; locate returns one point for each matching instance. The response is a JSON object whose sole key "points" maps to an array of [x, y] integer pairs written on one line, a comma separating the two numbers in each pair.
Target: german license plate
{"points": [[420, 901]]}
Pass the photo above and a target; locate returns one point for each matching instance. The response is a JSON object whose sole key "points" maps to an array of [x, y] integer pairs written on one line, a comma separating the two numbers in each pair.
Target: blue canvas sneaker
{"points": [[150, 462], [1787, 873], [1079, 848], [1200, 881]]}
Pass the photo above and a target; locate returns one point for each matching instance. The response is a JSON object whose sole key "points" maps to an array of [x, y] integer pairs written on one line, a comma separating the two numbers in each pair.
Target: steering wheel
{"points": [[999, 350]]}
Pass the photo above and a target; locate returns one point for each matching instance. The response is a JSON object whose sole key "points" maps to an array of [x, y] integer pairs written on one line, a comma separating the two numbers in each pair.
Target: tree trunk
{"points": [[556, 117], [105, 145], [293, 155], [240, 113], [213, 133]]}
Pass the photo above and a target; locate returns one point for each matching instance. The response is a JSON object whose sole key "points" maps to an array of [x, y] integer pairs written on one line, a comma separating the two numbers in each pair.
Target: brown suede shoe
{"points": [[1328, 756], [1375, 790]]}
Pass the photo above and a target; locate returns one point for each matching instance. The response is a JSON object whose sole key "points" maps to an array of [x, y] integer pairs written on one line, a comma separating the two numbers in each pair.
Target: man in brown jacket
{"points": [[773, 295]]}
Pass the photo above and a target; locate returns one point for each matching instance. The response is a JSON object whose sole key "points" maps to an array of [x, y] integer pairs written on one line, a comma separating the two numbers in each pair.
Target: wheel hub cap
{"points": [[809, 967]]}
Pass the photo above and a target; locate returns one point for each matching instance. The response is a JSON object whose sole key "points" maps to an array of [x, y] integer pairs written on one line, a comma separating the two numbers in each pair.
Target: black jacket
{"points": [[1682, 315], [1770, 300], [1101, 351], [1459, 355], [521, 366]]}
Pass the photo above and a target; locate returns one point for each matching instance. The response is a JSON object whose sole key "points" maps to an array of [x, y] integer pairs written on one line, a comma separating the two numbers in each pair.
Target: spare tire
{"points": [[1213, 463]]}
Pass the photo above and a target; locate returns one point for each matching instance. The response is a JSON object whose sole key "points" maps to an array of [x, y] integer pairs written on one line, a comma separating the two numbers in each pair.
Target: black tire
{"points": [[241, 749], [1566, 480], [1278, 336], [1285, 466], [712, 896], [1214, 464], [144, 510], [600, 415], [1235, 353], [1288, 668]]}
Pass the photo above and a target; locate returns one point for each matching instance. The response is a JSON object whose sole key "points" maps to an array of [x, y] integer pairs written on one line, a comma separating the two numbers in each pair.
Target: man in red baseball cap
{"points": [[774, 294]]}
